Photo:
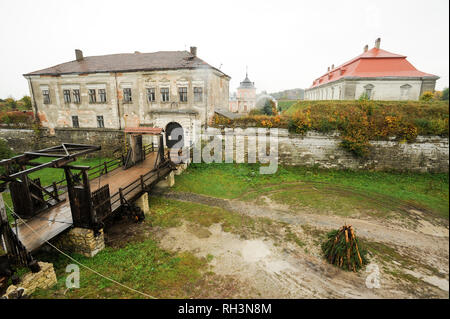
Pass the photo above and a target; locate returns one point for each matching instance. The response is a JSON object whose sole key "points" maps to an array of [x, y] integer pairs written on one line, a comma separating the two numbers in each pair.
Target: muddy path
{"points": [[275, 269], [433, 240], [269, 271]]}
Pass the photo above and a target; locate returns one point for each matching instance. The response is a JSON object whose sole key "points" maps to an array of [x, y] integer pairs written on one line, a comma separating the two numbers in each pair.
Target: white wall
{"points": [[389, 90]]}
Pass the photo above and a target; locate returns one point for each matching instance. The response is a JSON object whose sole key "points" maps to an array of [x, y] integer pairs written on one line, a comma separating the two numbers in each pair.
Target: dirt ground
{"points": [[411, 260]]}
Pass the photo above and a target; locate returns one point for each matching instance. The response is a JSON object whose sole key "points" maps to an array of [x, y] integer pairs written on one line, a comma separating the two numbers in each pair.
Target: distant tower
{"points": [[246, 95]]}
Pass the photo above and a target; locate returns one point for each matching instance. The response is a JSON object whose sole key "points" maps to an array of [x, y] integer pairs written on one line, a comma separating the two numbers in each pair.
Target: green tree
{"points": [[26, 100], [10, 103], [445, 94], [267, 109]]}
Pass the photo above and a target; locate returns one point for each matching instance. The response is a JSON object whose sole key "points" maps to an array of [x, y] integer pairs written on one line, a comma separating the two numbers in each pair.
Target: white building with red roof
{"points": [[376, 74]]}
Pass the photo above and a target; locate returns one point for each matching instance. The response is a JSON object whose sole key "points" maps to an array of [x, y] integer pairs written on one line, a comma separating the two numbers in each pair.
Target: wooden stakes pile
{"points": [[341, 249]]}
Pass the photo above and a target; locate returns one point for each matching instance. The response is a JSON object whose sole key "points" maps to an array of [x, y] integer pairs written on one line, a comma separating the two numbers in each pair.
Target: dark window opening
{"points": [[66, 94], [198, 94], [165, 94], [92, 97], [100, 121], [75, 122], [46, 96], [151, 95], [102, 95], [127, 95], [76, 96], [182, 91]]}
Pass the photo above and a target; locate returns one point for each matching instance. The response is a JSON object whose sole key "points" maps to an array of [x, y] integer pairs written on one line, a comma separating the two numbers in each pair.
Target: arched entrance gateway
{"points": [[174, 134]]}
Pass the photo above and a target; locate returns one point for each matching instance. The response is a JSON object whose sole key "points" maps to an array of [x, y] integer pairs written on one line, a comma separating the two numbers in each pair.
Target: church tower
{"points": [[246, 95]]}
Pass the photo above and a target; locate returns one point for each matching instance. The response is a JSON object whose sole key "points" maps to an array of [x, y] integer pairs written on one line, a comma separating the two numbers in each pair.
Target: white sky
{"points": [[286, 44]]}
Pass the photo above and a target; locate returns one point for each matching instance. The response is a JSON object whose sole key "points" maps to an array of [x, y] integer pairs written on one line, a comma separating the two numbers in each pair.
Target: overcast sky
{"points": [[286, 44]]}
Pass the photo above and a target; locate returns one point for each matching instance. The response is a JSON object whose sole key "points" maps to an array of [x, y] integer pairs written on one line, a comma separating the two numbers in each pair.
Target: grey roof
{"points": [[228, 114], [247, 84], [129, 62]]}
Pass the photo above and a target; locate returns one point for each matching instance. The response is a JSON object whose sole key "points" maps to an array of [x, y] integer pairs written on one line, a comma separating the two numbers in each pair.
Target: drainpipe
{"points": [[206, 102], [36, 117], [117, 98]]}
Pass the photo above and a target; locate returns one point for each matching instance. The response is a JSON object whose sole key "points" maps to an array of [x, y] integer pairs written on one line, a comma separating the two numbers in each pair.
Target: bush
{"points": [[17, 118], [358, 122], [5, 151], [427, 96], [255, 112], [444, 96]]}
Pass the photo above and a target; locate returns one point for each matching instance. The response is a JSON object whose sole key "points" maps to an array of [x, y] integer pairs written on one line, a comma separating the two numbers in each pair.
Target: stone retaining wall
{"points": [[81, 241], [43, 279], [425, 154]]}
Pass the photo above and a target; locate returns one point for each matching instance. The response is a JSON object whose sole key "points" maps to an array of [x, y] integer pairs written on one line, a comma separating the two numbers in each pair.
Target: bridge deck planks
{"points": [[54, 221]]}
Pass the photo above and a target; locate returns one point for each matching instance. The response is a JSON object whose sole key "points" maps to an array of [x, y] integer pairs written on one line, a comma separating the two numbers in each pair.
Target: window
{"points": [[92, 97], [76, 96], [198, 94], [165, 94], [75, 122], [46, 96], [127, 95], [100, 122], [102, 95], [151, 95], [404, 91], [183, 94], [368, 91], [66, 94]]}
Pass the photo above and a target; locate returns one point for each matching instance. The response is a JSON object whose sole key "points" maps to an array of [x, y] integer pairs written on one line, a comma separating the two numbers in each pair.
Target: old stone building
{"points": [[376, 74], [129, 90], [245, 99]]}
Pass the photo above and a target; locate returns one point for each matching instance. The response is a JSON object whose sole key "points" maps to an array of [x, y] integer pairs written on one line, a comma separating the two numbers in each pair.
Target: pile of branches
{"points": [[341, 249]]}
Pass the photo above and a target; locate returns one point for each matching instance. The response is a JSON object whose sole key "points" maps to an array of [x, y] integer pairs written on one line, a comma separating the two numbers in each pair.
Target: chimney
{"points": [[377, 43], [366, 48], [78, 55], [332, 66], [328, 69], [194, 51]]}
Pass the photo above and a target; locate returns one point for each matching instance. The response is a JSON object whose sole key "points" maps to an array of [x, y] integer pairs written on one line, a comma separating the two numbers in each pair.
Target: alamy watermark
{"points": [[373, 279], [73, 279], [212, 145]]}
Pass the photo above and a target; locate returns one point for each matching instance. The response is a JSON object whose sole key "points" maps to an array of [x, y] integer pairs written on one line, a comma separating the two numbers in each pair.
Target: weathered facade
{"points": [[376, 74], [128, 90]]}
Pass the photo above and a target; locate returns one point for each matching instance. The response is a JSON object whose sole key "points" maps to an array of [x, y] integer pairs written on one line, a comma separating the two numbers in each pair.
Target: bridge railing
{"points": [[137, 186], [97, 170]]}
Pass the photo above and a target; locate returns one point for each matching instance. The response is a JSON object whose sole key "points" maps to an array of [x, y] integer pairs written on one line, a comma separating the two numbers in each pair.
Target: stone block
{"points": [[142, 203]]}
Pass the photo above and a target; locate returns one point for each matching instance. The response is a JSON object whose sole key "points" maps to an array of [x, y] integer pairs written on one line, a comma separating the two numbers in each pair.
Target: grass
{"points": [[142, 266], [146, 267], [285, 104], [232, 181], [171, 213]]}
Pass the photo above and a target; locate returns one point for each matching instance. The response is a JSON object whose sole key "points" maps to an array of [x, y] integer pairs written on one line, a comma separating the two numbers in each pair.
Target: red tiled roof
{"points": [[144, 130], [373, 63]]}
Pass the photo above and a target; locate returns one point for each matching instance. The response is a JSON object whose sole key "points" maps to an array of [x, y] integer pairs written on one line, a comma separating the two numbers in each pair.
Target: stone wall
{"points": [[43, 279], [81, 241], [26, 139], [426, 153]]}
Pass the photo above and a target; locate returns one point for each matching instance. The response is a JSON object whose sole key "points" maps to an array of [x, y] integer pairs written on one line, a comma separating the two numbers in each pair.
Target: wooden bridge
{"points": [[87, 196]]}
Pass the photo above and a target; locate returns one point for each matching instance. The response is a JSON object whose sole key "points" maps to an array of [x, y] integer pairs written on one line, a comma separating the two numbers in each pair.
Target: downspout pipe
{"points": [[118, 104]]}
